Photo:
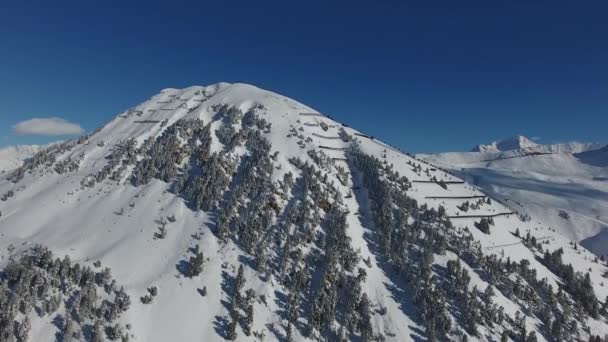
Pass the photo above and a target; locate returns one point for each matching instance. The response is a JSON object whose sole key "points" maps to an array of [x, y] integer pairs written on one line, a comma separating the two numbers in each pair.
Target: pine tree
{"points": [[69, 329], [248, 320], [289, 333], [22, 329], [532, 337], [238, 286], [196, 264], [231, 330], [97, 332], [365, 326]]}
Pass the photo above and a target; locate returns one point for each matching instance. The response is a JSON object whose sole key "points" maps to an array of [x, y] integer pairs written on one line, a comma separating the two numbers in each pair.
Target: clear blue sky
{"points": [[423, 75]]}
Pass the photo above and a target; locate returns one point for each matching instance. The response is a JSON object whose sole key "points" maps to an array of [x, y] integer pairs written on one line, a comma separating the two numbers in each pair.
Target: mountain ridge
{"points": [[522, 144], [517, 142]]}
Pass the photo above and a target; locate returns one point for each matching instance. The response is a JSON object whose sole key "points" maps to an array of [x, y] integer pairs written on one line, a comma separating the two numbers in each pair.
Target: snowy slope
{"points": [[11, 157], [566, 190], [317, 239]]}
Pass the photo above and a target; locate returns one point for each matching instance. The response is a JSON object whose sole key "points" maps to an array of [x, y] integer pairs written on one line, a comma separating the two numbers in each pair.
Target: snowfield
{"points": [[564, 186], [337, 235]]}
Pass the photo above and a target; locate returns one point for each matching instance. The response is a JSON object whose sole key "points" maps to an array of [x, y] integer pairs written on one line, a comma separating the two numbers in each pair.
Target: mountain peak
{"points": [[208, 204], [517, 142]]}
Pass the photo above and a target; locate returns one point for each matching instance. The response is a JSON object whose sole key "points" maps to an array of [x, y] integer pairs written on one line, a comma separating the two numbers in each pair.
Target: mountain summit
{"points": [[518, 142], [522, 145], [228, 212]]}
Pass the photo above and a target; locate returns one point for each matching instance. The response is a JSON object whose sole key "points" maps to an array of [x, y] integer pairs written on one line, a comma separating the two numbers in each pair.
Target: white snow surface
{"points": [[53, 210], [544, 182]]}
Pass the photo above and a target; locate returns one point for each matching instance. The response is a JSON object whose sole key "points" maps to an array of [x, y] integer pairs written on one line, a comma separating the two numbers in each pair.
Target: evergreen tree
{"points": [[196, 264], [231, 330]]}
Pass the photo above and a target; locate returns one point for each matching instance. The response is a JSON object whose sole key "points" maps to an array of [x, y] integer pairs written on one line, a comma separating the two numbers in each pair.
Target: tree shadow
{"points": [[183, 267], [228, 286], [220, 325], [59, 322], [277, 334], [247, 261]]}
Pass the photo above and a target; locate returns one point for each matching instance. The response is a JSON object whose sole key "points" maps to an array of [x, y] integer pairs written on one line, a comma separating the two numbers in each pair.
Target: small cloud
{"points": [[47, 126], [536, 138]]}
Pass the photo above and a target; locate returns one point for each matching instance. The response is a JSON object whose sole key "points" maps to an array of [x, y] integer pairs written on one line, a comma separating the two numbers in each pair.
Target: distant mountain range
{"points": [[12, 157], [523, 144]]}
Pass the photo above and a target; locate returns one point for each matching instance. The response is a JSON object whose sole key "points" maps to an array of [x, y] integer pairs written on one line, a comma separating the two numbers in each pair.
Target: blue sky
{"points": [[426, 75]]}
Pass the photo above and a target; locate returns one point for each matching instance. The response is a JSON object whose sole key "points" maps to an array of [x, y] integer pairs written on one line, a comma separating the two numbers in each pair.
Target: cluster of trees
{"points": [[519, 282], [231, 115], [247, 212], [465, 206], [561, 312], [409, 235], [163, 155], [227, 134], [43, 158], [408, 246], [320, 158], [152, 292], [484, 224], [415, 167], [68, 164], [315, 221], [37, 280], [123, 155], [241, 307], [339, 296], [196, 263], [7, 195], [578, 285], [204, 178], [252, 119], [344, 136]]}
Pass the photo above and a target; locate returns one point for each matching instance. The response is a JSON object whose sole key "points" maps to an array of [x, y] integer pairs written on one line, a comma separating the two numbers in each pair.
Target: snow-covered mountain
{"points": [[231, 212], [562, 185], [12, 157], [520, 145], [517, 142]]}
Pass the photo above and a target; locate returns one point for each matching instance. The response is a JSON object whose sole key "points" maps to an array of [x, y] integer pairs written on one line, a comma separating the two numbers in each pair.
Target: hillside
{"points": [[564, 187], [231, 212]]}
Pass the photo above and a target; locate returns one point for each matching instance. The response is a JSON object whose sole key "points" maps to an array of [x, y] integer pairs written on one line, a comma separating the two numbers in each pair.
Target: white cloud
{"points": [[47, 126]]}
